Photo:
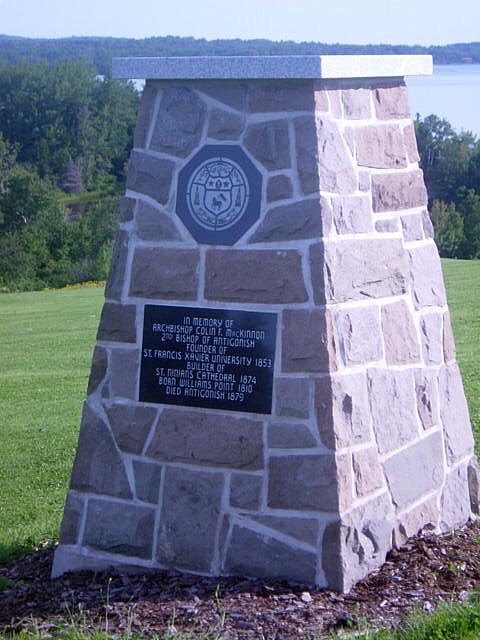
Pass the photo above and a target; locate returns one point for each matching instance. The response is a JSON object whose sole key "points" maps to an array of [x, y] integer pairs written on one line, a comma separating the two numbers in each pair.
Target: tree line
{"points": [[65, 139], [451, 169], [100, 51]]}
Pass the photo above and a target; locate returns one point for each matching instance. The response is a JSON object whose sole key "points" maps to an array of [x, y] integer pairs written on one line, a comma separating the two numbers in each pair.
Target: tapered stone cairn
{"points": [[274, 391]]}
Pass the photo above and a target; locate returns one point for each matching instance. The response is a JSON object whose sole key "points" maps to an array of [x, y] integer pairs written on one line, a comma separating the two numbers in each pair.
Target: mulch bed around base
{"points": [[422, 573]]}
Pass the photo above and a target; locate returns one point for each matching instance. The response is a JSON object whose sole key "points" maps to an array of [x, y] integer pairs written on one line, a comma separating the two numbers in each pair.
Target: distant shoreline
{"points": [[99, 51]]}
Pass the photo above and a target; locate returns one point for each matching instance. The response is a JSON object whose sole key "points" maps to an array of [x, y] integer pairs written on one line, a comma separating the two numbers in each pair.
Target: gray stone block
{"points": [[246, 491], [179, 124], [473, 474], [145, 115], [225, 125], [124, 529], [454, 414], [426, 277], [303, 529], [306, 150], [359, 335], [424, 516], [147, 480], [391, 102], [356, 104], [327, 216], [426, 389], [150, 175], [98, 467], [396, 191], [455, 499], [380, 147], [233, 94], [118, 323], [308, 342], [189, 519], [126, 209], [449, 352], [411, 143], [303, 482], [290, 95], [357, 544], [393, 408], [415, 471], [399, 334], [412, 226], [266, 277], [292, 397], [364, 181], [131, 425], [285, 435], [297, 221], [335, 100], [432, 337], [169, 274], [335, 165], [367, 471], [388, 225], [268, 142], [154, 225], [124, 366], [352, 214], [279, 68], [342, 409], [252, 554], [349, 135], [98, 369], [332, 170], [207, 439], [116, 276], [72, 517], [358, 269], [279, 188], [428, 230]]}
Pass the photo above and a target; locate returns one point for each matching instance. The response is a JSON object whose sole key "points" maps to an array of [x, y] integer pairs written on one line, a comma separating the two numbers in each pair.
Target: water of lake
{"points": [[452, 92]]}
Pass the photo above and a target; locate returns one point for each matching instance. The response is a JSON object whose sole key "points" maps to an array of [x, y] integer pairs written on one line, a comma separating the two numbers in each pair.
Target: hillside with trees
{"points": [[100, 51], [65, 138]]}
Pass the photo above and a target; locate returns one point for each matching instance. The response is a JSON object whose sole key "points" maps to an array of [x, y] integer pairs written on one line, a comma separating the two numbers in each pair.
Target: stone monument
{"points": [[274, 391]]}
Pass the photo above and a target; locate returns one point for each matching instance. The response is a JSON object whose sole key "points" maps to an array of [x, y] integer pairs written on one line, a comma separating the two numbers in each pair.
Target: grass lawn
{"points": [[47, 342], [462, 280]]}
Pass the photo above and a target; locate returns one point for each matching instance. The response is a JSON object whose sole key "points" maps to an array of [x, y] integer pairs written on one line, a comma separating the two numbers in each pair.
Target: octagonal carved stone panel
{"points": [[219, 194]]}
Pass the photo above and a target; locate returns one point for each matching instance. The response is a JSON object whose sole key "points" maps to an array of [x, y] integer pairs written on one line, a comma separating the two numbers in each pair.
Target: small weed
{"points": [[6, 583], [222, 614]]}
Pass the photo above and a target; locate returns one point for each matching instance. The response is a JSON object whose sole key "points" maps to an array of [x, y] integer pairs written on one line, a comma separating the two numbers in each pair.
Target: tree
{"points": [[445, 157], [72, 178], [24, 197], [469, 209], [448, 225], [8, 156], [65, 112]]}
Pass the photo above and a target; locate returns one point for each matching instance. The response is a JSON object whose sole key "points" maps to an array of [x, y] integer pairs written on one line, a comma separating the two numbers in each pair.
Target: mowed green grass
{"points": [[462, 281], [47, 340]]}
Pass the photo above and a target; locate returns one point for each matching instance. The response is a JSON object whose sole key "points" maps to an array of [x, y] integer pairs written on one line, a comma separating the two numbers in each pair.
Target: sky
{"points": [[346, 21]]}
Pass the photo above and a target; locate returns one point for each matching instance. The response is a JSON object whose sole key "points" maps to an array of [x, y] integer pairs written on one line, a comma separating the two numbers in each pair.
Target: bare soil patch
{"points": [[425, 571]]}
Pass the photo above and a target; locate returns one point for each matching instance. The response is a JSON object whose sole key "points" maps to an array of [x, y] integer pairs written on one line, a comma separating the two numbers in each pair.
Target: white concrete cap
{"points": [[231, 67]]}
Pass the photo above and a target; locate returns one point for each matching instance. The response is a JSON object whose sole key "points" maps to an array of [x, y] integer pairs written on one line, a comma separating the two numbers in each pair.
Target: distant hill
{"points": [[100, 51]]}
